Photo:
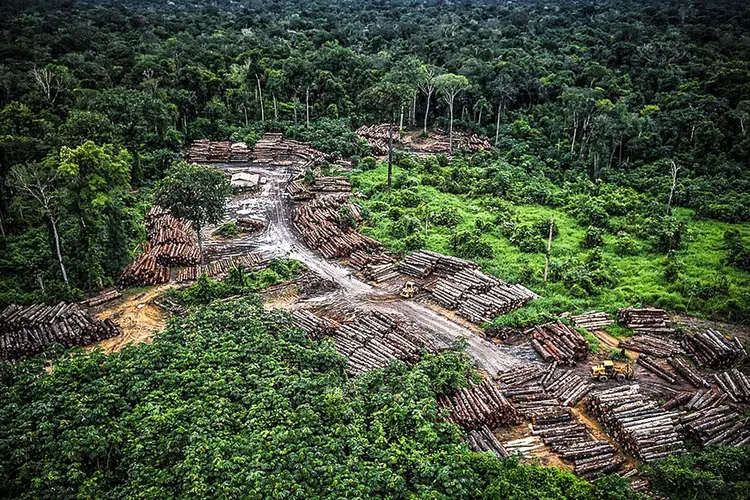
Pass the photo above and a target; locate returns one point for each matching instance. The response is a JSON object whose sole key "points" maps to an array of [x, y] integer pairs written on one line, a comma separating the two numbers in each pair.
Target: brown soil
{"points": [[139, 319]]}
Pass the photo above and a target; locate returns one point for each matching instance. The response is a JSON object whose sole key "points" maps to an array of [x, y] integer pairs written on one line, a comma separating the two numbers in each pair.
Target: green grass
{"points": [[639, 278]]}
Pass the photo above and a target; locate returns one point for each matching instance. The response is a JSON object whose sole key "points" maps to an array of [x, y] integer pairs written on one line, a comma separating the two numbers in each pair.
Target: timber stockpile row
{"points": [[592, 321], [171, 243], [644, 429], [483, 439], [687, 372], [320, 224], [27, 330], [556, 341], [298, 191], [648, 320], [377, 267], [206, 151], [331, 184], [734, 383], [659, 347], [479, 405], [374, 340], [439, 142], [711, 348], [570, 440], [521, 387], [657, 368], [273, 148], [570, 388], [377, 137], [219, 269], [103, 297], [316, 327], [475, 295], [712, 423]]}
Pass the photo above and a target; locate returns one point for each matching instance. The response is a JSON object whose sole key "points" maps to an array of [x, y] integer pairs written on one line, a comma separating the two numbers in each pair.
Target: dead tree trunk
{"points": [[390, 154], [549, 248], [497, 125], [427, 111], [674, 170]]}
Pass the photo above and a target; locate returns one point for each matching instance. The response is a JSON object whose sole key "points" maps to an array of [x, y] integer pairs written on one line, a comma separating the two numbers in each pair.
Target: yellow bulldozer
{"points": [[408, 290], [608, 369]]}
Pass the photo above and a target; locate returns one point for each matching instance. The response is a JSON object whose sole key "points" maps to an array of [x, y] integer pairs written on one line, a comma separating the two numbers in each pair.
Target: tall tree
{"points": [[37, 181], [195, 193], [426, 84], [450, 85]]}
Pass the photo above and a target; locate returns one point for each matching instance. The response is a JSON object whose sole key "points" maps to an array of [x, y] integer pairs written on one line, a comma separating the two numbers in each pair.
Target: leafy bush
{"points": [[447, 217], [625, 244], [593, 238], [667, 233], [738, 253], [227, 230], [468, 244]]}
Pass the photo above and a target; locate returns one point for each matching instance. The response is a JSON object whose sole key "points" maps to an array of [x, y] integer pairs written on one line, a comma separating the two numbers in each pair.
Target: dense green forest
{"points": [[593, 106]]}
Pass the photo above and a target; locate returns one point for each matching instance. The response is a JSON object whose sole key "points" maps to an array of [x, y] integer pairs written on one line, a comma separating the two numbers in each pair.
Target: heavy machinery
{"points": [[408, 290], [608, 369]]}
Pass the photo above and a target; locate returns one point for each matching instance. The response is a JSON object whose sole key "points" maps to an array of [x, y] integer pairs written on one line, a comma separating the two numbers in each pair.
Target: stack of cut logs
{"points": [[377, 137], [715, 424], [316, 327], [556, 341], [561, 431], [298, 191], [655, 346], [483, 439], [360, 260], [592, 321], [320, 224], [479, 405], [657, 368], [425, 262], [735, 383], [250, 225], [479, 297], [527, 395], [711, 348], [648, 320], [331, 184], [273, 148], [103, 297], [171, 243], [641, 426], [570, 388], [461, 140], [219, 269], [27, 330], [206, 151], [687, 372], [374, 340]]}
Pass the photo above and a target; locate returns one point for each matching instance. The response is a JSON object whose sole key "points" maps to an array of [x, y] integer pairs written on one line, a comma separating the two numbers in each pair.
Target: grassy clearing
{"points": [[638, 278]]}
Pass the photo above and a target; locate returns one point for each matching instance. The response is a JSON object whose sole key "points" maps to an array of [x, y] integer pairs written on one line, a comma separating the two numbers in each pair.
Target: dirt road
{"points": [[280, 239]]}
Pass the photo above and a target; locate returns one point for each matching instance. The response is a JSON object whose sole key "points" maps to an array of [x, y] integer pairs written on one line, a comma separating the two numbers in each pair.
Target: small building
{"points": [[245, 181]]}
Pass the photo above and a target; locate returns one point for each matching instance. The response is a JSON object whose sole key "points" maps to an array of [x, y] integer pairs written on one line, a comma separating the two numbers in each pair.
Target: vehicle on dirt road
{"points": [[608, 369]]}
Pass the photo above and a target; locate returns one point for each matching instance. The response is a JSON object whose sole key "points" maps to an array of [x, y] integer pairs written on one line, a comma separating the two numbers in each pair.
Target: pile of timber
{"points": [[704, 399], [103, 297], [374, 340], [556, 341], [479, 405], [518, 376], [322, 227], [711, 348], [331, 184], [423, 263], [206, 151], [570, 388], [483, 439], [250, 225], [171, 243], [500, 299], [687, 372], [570, 439], [380, 272], [219, 269], [657, 368], [440, 142], [716, 425], [644, 429], [655, 346], [377, 137], [735, 384], [521, 387], [592, 321], [27, 330], [298, 191], [647, 320], [316, 327], [273, 148], [359, 260]]}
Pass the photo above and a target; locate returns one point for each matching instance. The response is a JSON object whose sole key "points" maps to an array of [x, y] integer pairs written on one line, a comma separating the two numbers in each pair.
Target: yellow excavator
{"points": [[408, 290], [608, 369]]}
